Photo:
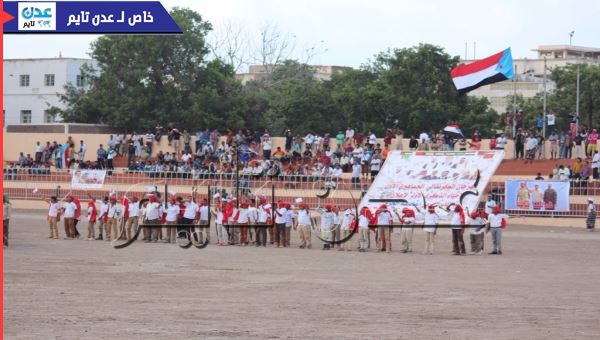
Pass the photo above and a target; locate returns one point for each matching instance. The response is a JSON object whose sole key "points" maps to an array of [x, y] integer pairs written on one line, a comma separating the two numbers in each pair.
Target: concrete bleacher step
{"points": [[518, 167]]}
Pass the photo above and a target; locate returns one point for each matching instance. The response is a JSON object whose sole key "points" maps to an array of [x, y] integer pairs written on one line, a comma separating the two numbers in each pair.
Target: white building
{"points": [[529, 73], [31, 87]]}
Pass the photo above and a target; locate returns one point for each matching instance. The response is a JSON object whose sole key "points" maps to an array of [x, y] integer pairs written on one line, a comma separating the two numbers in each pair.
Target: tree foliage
{"points": [[142, 81]]}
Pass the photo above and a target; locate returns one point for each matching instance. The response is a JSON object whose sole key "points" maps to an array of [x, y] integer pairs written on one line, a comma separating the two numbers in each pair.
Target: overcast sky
{"points": [[349, 32]]}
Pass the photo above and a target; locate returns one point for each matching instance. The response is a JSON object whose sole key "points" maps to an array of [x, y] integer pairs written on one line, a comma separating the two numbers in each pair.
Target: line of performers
{"points": [[249, 223]]}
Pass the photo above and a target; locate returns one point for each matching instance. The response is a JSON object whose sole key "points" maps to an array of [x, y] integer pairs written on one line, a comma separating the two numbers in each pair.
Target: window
{"points": [[48, 117], [24, 80], [48, 80], [25, 116], [80, 82]]}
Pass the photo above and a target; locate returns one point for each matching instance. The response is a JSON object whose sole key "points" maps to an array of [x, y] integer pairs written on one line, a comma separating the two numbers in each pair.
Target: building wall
{"points": [[36, 97]]}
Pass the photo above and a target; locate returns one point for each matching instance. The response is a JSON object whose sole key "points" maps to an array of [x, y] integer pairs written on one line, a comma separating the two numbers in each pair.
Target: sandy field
{"points": [[545, 286]]}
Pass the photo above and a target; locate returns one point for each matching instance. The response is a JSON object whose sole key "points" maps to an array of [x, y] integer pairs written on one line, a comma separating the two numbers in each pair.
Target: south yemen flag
{"points": [[492, 69]]}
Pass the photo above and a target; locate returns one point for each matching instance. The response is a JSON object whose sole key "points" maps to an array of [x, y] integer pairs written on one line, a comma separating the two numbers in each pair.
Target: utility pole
{"points": [[515, 112], [577, 101], [545, 100]]}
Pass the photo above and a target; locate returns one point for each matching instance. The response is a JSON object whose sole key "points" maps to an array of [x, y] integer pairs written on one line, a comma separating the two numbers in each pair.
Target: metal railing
{"points": [[316, 191]]}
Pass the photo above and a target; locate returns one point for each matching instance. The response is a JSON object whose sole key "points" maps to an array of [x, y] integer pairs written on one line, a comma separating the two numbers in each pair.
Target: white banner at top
{"points": [[439, 178]]}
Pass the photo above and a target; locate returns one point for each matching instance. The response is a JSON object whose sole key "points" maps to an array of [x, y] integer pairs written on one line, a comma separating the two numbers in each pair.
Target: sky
{"points": [[350, 32]]}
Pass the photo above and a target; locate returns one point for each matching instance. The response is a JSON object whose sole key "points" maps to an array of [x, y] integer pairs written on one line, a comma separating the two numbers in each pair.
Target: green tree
{"points": [[146, 80]]}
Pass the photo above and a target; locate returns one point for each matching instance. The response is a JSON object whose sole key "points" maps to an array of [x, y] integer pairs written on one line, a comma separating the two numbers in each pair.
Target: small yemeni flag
{"points": [[454, 131], [65, 155], [492, 69]]}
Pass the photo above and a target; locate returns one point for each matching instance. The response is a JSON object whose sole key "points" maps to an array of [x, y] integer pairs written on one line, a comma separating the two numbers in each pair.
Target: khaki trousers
{"points": [[363, 238], [69, 223], [52, 224], [429, 240], [91, 232], [304, 231], [132, 221], [406, 238], [112, 229], [385, 241], [348, 244]]}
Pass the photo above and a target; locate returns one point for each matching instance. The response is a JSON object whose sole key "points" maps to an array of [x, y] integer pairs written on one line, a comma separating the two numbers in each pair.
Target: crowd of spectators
{"points": [[303, 156]]}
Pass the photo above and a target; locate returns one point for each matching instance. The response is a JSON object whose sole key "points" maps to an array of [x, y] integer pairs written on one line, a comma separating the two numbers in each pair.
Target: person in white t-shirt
{"points": [[495, 225], [172, 218], [203, 216], [457, 220], [134, 216], [289, 223], [304, 225], [406, 235], [189, 217], [222, 234], [385, 221], [153, 210], [68, 212], [252, 219], [280, 220], [308, 141], [242, 220], [327, 223], [347, 229], [372, 139], [53, 216], [363, 230], [264, 218], [430, 220], [115, 212], [476, 232]]}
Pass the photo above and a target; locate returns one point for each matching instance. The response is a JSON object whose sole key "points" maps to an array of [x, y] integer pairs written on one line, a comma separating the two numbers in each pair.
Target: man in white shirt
{"points": [[457, 220], [264, 212], [172, 218], [346, 228], [476, 233], [430, 219], [385, 221], [596, 165], [190, 216], [406, 235], [68, 212], [134, 214], [203, 215], [280, 221], [153, 211], [501, 142], [81, 151], [349, 138], [363, 229], [114, 214], [304, 226], [495, 225], [267, 146], [308, 141], [356, 171], [39, 151], [372, 139], [53, 211], [242, 220], [327, 222]]}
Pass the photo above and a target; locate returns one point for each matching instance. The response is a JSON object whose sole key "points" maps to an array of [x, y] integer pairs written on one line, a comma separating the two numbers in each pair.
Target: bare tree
{"points": [[230, 43], [273, 47]]}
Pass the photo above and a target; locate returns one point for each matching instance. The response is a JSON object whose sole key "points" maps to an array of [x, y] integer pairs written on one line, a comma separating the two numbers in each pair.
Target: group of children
{"points": [[251, 222]]}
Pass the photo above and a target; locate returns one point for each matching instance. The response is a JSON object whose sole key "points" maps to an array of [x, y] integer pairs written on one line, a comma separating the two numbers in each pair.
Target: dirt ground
{"points": [[545, 286]]}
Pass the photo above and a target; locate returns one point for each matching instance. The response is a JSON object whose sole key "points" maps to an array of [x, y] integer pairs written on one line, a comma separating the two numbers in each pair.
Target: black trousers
{"points": [[458, 243], [261, 236]]}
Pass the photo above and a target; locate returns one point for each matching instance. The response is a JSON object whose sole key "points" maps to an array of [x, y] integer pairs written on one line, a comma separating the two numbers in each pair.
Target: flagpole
{"points": [[577, 103], [515, 113], [545, 107]]}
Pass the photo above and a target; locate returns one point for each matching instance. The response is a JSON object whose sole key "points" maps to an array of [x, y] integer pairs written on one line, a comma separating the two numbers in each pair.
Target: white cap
{"points": [[590, 199]]}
